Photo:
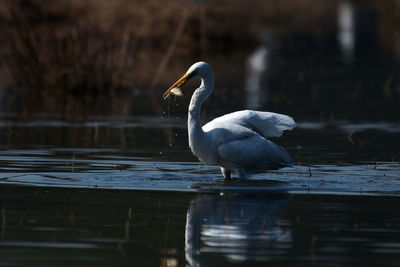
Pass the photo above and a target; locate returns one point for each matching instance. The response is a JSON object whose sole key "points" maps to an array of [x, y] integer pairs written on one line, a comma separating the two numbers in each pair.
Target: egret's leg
{"points": [[243, 174], [226, 173]]}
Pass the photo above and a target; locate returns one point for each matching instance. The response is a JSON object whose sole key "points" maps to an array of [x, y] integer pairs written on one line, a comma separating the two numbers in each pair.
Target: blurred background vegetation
{"points": [[71, 59]]}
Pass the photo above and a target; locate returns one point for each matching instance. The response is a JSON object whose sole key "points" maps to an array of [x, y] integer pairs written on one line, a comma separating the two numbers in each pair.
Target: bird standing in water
{"points": [[237, 141]]}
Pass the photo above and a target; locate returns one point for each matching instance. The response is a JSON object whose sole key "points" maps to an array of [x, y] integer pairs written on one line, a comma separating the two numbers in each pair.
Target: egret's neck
{"points": [[200, 94]]}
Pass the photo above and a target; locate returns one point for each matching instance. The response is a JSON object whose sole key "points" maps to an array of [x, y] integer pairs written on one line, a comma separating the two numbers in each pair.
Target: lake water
{"points": [[128, 191]]}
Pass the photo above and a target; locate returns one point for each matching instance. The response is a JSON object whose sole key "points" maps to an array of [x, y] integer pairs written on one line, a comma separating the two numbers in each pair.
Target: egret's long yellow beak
{"points": [[178, 84]]}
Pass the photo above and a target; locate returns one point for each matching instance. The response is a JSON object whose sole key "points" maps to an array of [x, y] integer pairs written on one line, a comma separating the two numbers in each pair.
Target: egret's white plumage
{"points": [[236, 141]]}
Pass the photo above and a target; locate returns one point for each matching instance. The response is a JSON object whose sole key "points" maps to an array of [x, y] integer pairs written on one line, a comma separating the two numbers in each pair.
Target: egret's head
{"points": [[197, 70]]}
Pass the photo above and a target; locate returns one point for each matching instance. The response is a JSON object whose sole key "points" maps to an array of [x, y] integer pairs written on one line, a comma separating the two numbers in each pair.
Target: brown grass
{"points": [[73, 57]]}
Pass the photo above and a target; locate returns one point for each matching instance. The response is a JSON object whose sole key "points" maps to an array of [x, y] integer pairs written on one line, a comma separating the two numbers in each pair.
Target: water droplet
{"points": [[161, 153], [170, 145], [176, 134]]}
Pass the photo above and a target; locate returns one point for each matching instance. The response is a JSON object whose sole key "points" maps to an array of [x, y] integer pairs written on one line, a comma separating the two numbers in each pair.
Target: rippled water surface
{"points": [[152, 153], [129, 191]]}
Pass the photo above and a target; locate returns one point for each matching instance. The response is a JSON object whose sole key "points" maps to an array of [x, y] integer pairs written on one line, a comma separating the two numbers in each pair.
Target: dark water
{"points": [[93, 227], [128, 191]]}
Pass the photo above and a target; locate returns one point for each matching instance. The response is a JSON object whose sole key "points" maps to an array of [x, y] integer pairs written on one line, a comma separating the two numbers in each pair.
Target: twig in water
{"points": [[73, 163], [3, 224], [155, 168]]}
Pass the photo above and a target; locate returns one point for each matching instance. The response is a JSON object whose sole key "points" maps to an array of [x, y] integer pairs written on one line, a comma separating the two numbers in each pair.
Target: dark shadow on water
{"points": [[97, 227]]}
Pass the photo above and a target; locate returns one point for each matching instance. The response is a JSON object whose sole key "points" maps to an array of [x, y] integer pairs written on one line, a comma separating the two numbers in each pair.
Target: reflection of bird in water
{"points": [[236, 141], [240, 227]]}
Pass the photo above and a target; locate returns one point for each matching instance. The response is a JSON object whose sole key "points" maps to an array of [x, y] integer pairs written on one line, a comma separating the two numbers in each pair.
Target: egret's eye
{"points": [[192, 74]]}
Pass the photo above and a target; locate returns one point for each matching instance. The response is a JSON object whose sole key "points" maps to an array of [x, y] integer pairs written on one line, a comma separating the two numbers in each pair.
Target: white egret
{"points": [[237, 141]]}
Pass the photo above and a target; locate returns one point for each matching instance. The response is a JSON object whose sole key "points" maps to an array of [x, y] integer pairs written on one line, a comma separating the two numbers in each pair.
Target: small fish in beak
{"points": [[177, 91]]}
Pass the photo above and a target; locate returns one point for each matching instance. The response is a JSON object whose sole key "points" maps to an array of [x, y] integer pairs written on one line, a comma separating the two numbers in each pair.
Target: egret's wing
{"points": [[267, 124], [240, 140], [254, 153]]}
